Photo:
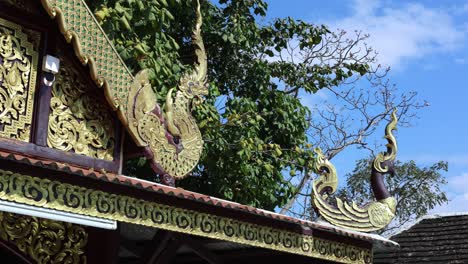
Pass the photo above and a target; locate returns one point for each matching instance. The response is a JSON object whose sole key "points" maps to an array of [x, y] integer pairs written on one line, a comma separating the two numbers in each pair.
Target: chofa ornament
{"points": [[170, 136], [371, 217]]}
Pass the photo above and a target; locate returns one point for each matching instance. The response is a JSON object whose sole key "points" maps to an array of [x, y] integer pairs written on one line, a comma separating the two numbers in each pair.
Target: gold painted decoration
{"points": [[44, 241], [171, 135], [375, 215], [79, 119], [75, 199], [92, 47], [18, 70]]}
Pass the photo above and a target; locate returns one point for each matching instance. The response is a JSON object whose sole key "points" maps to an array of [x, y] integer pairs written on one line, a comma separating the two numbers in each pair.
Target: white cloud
{"points": [[410, 31], [458, 184], [314, 100], [457, 189], [457, 204]]}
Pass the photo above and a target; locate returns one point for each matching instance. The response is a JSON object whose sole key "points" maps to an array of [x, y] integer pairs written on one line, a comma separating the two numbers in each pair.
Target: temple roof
{"points": [[431, 239], [29, 177], [191, 196]]}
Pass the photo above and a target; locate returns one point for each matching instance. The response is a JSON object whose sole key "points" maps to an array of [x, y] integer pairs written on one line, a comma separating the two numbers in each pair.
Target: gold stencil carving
{"points": [[43, 240], [79, 120], [71, 198], [18, 63]]}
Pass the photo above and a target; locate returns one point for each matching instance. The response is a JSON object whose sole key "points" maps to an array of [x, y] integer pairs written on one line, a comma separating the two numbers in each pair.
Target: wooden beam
{"points": [[199, 249], [44, 89], [156, 246], [40, 152], [15, 252], [168, 253], [44, 94], [131, 245]]}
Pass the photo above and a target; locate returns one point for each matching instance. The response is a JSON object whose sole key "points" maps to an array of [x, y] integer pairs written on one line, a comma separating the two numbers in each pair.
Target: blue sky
{"points": [[426, 45]]}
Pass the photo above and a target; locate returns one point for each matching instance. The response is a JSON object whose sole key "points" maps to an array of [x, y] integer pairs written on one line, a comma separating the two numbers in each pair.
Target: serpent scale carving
{"points": [[371, 217], [170, 136]]}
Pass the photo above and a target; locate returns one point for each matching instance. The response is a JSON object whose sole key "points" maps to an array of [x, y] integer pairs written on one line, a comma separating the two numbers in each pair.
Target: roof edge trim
{"points": [[93, 48], [36, 191]]}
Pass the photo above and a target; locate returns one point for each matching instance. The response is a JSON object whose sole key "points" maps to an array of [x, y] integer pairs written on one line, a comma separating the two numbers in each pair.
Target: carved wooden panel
{"points": [[18, 70], [43, 240], [80, 119]]}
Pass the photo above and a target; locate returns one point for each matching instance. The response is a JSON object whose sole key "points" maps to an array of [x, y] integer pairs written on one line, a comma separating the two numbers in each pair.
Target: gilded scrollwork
{"points": [[70, 198], [373, 216], [43, 240], [18, 63], [78, 120], [171, 134]]}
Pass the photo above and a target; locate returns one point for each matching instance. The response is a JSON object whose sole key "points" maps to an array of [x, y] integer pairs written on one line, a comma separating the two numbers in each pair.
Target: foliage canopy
{"points": [[253, 122]]}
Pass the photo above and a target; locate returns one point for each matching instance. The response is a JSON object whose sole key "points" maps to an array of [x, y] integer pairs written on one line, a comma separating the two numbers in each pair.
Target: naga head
{"points": [[384, 162], [194, 84], [328, 180]]}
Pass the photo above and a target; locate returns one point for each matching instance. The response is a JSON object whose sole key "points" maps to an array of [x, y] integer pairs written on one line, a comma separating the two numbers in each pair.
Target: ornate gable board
{"points": [[171, 136], [93, 48], [82, 124]]}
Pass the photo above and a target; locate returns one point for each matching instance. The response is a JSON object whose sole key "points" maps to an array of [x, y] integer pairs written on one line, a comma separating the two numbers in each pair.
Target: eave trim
{"points": [[91, 202]]}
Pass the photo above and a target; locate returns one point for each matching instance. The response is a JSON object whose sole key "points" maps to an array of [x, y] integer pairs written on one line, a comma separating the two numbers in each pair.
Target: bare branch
{"points": [[356, 108]]}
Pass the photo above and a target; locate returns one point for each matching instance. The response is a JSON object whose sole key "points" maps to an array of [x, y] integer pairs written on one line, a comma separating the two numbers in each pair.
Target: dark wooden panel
{"points": [[103, 246], [10, 254], [50, 154]]}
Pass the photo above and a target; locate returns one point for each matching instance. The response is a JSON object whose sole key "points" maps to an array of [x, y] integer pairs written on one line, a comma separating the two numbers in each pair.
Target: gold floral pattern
{"points": [[79, 119], [43, 240], [18, 63]]}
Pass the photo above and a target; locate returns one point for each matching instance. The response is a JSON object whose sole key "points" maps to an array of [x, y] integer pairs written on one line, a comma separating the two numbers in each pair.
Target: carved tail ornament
{"points": [[170, 136], [371, 217]]}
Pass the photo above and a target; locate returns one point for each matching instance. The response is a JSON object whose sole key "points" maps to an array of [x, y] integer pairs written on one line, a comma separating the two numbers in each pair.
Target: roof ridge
{"points": [[409, 225]]}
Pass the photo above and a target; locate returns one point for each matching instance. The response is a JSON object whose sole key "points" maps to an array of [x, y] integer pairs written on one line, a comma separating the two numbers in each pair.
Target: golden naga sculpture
{"points": [[170, 136], [371, 217]]}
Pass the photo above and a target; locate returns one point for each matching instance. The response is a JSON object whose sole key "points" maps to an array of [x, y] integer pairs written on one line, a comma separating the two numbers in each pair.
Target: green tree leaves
{"points": [[252, 121]]}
